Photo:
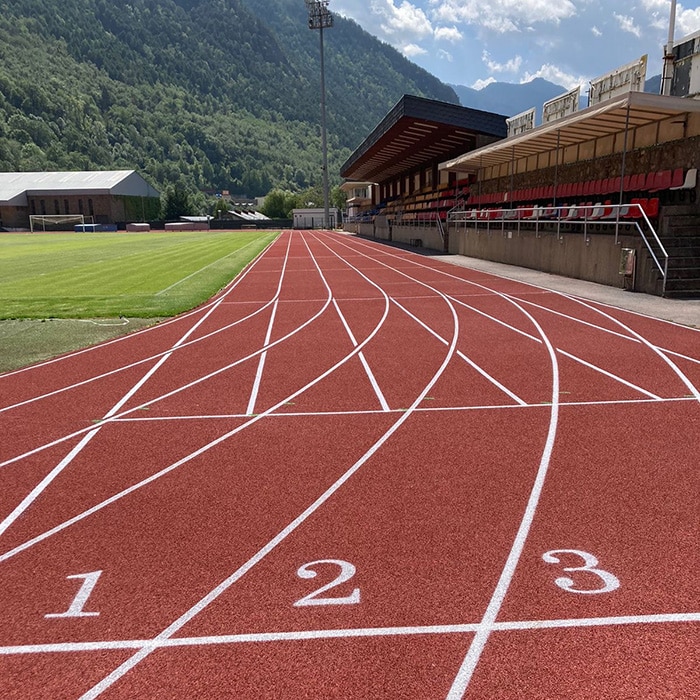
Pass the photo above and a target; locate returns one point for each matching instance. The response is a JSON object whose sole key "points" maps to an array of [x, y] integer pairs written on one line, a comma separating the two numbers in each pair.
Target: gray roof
{"points": [[15, 187]]}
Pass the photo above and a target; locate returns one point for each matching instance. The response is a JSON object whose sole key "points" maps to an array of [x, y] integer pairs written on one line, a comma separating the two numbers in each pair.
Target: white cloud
{"points": [[481, 84], [511, 66], [401, 20], [596, 31], [502, 15], [449, 34], [556, 75], [627, 24], [410, 50], [445, 55]]}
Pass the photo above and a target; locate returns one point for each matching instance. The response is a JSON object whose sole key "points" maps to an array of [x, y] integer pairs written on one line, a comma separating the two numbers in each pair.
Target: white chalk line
{"points": [[348, 633], [206, 267], [205, 448], [27, 501], [299, 520], [156, 356], [261, 362], [158, 325], [430, 409]]}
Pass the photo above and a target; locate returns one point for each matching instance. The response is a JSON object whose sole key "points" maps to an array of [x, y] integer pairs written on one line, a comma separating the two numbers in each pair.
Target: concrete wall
{"points": [[595, 258]]}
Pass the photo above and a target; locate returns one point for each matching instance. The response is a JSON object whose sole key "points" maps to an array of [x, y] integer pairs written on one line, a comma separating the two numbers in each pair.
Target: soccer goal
{"points": [[55, 222]]}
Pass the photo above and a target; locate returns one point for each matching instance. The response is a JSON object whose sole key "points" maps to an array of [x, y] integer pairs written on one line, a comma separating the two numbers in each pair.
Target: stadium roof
{"points": [[16, 187], [418, 131], [635, 109]]}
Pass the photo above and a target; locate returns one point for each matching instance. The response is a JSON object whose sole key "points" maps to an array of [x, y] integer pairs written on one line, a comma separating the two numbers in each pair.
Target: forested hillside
{"points": [[204, 93]]}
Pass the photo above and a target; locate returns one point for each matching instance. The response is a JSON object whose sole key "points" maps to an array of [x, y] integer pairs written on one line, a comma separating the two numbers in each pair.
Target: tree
{"points": [[176, 203], [278, 204]]}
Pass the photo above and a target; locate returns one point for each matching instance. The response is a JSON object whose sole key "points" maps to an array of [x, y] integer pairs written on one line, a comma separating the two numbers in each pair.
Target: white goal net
{"points": [[55, 222]]}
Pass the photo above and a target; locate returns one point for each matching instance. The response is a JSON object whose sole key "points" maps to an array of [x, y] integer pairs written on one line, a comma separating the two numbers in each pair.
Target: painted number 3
{"points": [[609, 581], [347, 571]]}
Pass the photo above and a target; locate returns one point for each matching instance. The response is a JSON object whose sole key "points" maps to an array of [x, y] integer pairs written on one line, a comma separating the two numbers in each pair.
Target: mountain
{"points": [[209, 94], [510, 98]]}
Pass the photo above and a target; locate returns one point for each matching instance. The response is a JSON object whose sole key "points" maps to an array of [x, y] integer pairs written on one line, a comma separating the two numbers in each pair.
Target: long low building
{"points": [[102, 197]]}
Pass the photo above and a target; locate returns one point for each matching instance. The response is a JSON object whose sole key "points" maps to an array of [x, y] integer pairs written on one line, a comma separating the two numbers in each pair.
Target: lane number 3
{"points": [[609, 581], [347, 571]]}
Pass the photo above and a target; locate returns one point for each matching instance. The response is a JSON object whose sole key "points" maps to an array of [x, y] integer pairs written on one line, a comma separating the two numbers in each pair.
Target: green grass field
{"points": [[107, 275]]}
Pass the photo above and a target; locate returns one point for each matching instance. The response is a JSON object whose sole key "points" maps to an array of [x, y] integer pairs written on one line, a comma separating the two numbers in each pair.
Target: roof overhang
{"points": [[630, 111], [417, 132]]}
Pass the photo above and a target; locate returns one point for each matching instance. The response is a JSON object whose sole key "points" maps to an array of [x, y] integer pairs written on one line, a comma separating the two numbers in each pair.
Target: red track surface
{"points": [[506, 477]]}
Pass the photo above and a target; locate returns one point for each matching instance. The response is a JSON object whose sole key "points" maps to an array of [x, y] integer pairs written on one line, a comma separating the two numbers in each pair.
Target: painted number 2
{"points": [[347, 571], [609, 581], [76, 607]]}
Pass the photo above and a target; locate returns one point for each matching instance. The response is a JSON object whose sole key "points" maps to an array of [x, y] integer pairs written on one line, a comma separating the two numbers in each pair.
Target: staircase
{"points": [[680, 235]]}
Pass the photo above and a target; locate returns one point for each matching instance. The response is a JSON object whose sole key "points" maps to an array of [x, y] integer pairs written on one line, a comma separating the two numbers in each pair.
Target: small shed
{"points": [[313, 218]]}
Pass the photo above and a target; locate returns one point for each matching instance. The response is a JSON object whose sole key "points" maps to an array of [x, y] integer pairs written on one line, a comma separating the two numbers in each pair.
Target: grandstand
{"points": [[577, 195]]}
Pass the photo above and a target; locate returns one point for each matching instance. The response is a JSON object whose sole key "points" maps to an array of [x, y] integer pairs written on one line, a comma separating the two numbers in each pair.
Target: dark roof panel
{"points": [[419, 131]]}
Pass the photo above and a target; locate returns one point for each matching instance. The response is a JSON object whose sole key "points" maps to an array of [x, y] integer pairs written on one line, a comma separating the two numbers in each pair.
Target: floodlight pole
{"points": [[320, 18], [667, 75]]}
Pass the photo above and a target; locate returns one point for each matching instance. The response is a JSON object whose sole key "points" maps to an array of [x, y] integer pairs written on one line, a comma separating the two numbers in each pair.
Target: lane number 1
{"points": [[609, 581], [76, 607]]}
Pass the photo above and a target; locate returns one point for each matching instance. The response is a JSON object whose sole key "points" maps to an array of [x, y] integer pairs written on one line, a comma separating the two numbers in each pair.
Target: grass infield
{"points": [[117, 281]]}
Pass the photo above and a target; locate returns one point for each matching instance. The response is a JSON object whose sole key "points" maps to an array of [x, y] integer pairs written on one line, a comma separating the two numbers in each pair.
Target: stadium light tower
{"points": [[667, 76], [320, 18]]}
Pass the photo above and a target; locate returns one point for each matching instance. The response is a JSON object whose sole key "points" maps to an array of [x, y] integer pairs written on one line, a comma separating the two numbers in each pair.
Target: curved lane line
{"points": [[208, 308], [299, 520], [177, 319], [205, 448], [27, 501]]}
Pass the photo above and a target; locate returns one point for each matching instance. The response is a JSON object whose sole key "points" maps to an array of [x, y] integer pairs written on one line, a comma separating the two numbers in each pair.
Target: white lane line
{"points": [[177, 319], [676, 370], [349, 633], [299, 520], [66, 461], [201, 269], [368, 371], [158, 355], [609, 374], [205, 448], [513, 298], [470, 362], [261, 362], [431, 409]]}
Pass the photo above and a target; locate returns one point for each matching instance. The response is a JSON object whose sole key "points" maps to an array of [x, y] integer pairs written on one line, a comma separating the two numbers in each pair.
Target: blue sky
{"points": [[570, 42]]}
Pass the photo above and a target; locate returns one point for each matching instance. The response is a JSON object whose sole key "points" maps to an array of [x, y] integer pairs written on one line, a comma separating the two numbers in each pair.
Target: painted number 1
{"points": [[76, 607], [347, 571], [609, 581]]}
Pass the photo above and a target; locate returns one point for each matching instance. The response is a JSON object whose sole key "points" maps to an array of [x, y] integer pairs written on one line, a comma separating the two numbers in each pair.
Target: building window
{"points": [[66, 208], [57, 209], [91, 211], [42, 204], [80, 206], [32, 203]]}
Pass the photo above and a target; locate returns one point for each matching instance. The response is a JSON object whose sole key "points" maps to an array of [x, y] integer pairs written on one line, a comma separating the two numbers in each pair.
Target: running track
{"points": [[356, 473]]}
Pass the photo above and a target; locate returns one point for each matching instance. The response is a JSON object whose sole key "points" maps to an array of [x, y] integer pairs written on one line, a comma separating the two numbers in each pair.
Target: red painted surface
{"points": [[200, 516]]}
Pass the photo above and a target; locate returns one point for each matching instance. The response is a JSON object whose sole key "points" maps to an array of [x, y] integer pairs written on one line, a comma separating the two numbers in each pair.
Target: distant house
{"points": [[102, 197]]}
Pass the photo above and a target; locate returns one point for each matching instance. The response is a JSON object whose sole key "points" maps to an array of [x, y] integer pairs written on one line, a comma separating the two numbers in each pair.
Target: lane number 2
{"points": [[76, 608], [609, 581], [347, 571]]}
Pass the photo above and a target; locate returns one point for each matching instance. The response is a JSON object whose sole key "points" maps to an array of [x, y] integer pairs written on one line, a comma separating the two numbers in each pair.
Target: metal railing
{"points": [[549, 219]]}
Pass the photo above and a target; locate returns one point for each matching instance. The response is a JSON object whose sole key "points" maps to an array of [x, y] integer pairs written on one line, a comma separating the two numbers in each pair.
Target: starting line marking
{"points": [[516, 626]]}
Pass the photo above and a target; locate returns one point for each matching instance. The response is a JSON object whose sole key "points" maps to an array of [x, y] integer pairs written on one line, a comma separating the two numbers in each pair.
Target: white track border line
{"points": [[299, 520], [27, 501], [261, 362], [349, 633], [205, 448], [220, 301], [177, 319]]}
